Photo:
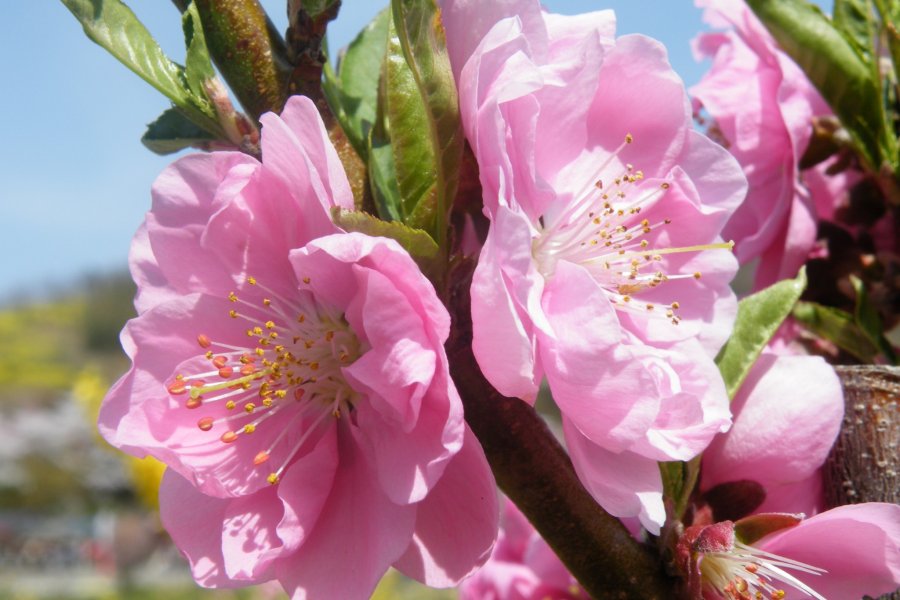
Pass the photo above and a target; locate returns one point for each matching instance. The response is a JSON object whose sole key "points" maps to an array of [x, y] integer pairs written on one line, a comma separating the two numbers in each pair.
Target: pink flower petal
{"points": [[359, 524], [504, 290], [449, 544], [200, 539], [595, 380], [624, 484], [766, 444], [858, 546]]}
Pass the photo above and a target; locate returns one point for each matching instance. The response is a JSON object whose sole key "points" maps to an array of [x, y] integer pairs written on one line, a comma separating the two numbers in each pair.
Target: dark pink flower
{"points": [[293, 379], [603, 203]]}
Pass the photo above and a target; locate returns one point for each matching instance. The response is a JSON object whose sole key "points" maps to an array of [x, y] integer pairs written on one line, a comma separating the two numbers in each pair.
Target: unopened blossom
{"points": [[293, 378], [787, 416], [847, 552], [521, 567], [762, 106], [603, 269]]}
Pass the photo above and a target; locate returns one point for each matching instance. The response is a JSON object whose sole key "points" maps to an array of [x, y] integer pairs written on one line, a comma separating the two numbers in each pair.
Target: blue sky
{"points": [[74, 177]]}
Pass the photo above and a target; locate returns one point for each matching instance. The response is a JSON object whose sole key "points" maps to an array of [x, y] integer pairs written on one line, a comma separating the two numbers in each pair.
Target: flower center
{"points": [[602, 230], [292, 362], [747, 573]]}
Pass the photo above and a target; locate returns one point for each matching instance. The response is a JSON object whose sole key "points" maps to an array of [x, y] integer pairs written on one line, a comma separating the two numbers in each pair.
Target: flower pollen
{"points": [[291, 364], [748, 573], [602, 229]]}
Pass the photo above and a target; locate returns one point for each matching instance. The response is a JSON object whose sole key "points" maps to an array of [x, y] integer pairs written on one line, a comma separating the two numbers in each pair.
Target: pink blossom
{"points": [[787, 415], [786, 418], [846, 552], [521, 567], [602, 200], [762, 105], [293, 379]]}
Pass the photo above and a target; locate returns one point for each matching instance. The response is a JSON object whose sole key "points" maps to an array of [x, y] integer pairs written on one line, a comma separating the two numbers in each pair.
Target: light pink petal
{"points": [[195, 522], [716, 175], [792, 247], [185, 196], [152, 287], [305, 488], [456, 525], [695, 409], [570, 83], [766, 444], [251, 234], [322, 260], [409, 463], [624, 484], [359, 524], [636, 73], [858, 545], [250, 543], [302, 118], [594, 377], [568, 31], [294, 157], [467, 22], [505, 289], [397, 371]]}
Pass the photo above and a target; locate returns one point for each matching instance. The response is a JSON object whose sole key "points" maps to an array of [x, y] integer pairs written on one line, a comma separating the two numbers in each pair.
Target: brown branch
{"points": [[864, 465], [536, 473]]}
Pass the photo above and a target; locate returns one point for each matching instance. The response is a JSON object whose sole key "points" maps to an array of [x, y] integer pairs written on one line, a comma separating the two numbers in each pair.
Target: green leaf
{"points": [[354, 90], [417, 242], [198, 69], [173, 132], [424, 45], [758, 318], [314, 8], [855, 20], [840, 74], [890, 18], [113, 26], [869, 321], [836, 326], [414, 154]]}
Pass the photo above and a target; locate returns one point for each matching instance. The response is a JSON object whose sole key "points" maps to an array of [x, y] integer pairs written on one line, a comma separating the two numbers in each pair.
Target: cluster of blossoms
{"points": [[293, 376]]}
